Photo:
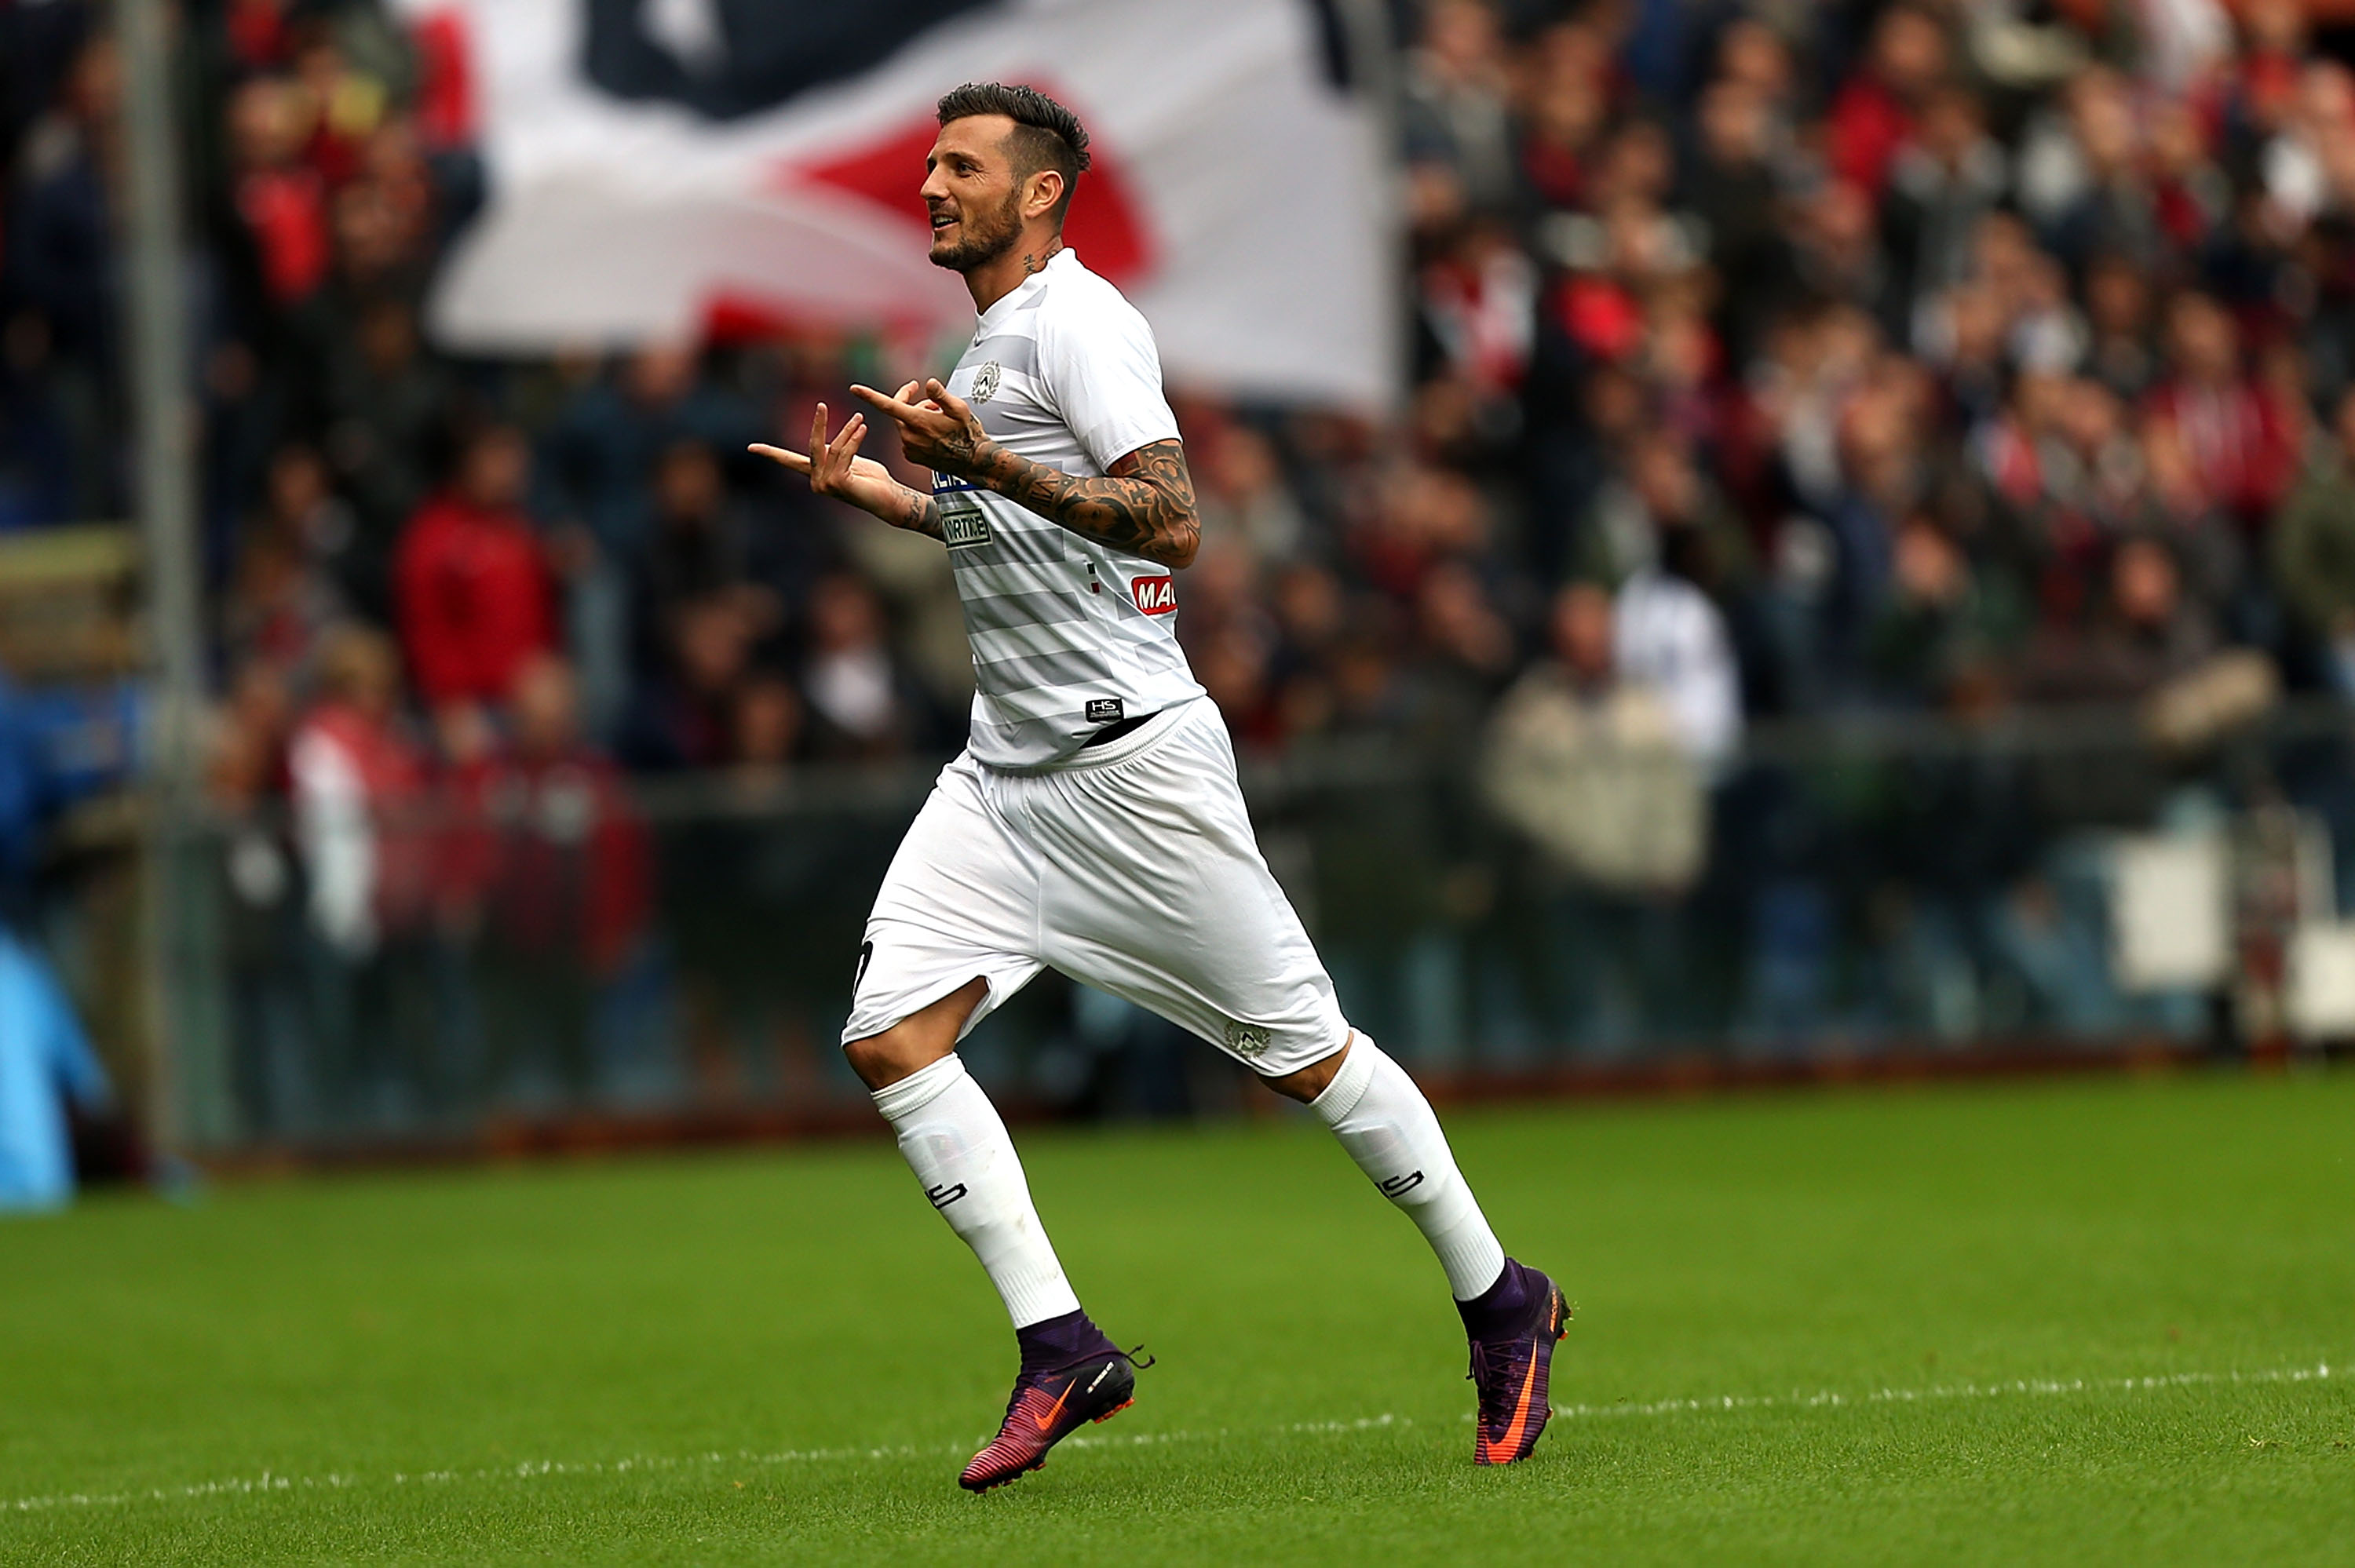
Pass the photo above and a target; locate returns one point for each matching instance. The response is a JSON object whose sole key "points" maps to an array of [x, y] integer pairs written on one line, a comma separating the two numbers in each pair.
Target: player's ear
{"points": [[1042, 191]]}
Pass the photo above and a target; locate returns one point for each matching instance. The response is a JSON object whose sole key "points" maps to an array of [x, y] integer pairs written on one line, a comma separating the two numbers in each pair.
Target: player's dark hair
{"points": [[1046, 134]]}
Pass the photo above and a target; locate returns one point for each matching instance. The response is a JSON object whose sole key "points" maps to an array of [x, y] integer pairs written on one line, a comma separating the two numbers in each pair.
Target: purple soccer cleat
{"points": [[1071, 1375], [1513, 1328]]}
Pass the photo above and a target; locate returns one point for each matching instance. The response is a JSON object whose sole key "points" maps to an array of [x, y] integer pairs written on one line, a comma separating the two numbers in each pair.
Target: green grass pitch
{"points": [[2081, 1322]]}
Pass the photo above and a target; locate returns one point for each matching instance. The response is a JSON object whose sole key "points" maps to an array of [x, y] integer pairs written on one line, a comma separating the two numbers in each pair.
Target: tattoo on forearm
{"points": [[1145, 506], [919, 513]]}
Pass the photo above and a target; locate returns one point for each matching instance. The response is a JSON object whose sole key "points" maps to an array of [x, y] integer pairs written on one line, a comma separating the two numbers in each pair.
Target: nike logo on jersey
{"points": [[1156, 596]]}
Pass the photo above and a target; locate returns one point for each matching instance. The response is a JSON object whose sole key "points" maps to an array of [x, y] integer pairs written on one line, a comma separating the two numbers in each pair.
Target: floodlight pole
{"points": [[164, 400]]}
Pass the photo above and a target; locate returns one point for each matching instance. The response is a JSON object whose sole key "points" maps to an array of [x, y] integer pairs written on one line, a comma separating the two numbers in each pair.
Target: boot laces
{"points": [[1491, 1367], [1023, 1384]]}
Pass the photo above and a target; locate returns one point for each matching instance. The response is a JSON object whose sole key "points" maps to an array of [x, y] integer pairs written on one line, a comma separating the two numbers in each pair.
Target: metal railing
{"points": [[1891, 885]]}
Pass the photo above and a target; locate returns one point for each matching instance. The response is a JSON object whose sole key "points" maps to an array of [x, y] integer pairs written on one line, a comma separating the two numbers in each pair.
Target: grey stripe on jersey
{"points": [[1014, 353], [1016, 611], [1006, 424], [1046, 546], [1029, 641], [1013, 578], [994, 617], [1016, 673]]}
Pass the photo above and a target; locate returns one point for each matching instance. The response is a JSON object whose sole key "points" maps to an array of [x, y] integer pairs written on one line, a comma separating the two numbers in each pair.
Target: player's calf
{"points": [[1390, 1129]]}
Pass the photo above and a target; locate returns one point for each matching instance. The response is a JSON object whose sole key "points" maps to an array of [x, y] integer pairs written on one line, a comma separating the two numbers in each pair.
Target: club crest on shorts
{"points": [[1248, 1041], [986, 380]]}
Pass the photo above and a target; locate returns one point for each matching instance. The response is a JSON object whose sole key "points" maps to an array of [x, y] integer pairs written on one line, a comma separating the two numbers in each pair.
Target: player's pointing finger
{"points": [[794, 461], [901, 411]]}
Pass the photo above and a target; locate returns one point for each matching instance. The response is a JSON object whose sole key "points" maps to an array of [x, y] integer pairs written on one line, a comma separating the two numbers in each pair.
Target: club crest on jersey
{"points": [[1156, 596], [1246, 1040], [986, 380]]}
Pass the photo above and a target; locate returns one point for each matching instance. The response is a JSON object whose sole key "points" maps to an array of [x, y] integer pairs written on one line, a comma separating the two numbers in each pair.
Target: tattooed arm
{"points": [[915, 512], [836, 469], [1144, 505]]}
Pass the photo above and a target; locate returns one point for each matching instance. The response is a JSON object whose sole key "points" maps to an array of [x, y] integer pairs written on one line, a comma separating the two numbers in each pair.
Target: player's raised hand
{"points": [[836, 469], [941, 432]]}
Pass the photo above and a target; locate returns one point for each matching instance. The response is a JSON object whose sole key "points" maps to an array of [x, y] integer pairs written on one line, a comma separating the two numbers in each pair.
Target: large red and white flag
{"points": [[656, 165]]}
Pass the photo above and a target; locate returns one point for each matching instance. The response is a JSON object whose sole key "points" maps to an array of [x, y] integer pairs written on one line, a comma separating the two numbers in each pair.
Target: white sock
{"points": [[1391, 1130], [955, 1141]]}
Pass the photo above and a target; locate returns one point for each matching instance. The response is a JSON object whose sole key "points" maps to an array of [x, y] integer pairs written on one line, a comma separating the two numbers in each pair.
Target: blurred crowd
{"points": [[1766, 359]]}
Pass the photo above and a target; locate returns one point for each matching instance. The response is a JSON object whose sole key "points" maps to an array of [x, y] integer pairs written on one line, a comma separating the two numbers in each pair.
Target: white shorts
{"points": [[1131, 869]]}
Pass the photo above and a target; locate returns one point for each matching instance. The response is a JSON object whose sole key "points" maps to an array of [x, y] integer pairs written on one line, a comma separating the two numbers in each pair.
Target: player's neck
{"points": [[1001, 275]]}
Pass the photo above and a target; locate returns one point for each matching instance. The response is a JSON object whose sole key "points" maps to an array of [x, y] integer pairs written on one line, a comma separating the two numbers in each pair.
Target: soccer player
{"points": [[1094, 822]]}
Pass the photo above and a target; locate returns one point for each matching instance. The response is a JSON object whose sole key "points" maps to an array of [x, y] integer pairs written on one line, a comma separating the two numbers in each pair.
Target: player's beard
{"points": [[983, 238]]}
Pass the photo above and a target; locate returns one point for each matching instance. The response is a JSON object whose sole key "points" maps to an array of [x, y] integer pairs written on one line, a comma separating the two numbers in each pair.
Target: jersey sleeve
{"points": [[1104, 375]]}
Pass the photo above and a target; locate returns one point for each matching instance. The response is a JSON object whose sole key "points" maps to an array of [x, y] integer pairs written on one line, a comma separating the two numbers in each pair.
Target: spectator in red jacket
{"points": [[2240, 437], [1873, 115], [549, 863], [472, 589], [280, 196]]}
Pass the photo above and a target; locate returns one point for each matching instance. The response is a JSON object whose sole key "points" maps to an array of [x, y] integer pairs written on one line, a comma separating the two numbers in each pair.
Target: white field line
{"points": [[2320, 1372], [271, 1483]]}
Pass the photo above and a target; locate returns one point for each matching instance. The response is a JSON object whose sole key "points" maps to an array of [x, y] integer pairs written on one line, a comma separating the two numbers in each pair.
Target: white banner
{"points": [[655, 163]]}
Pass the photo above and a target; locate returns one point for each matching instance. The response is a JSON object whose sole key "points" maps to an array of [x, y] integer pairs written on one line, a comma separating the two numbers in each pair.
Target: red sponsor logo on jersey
{"points": [[1156, 596]]}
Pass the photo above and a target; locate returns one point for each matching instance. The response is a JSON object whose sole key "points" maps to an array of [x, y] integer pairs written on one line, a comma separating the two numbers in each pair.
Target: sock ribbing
{"points": [[1349, 1082], [919, 1088]]}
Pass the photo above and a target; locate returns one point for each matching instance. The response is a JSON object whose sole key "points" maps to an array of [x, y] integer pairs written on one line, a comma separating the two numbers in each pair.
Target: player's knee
{"points": [[883, 1060], [917, 1040], [872, 1060]]}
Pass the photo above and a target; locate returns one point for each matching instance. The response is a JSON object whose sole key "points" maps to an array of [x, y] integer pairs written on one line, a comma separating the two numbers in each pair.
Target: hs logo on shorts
{"points": [[1248, 1041], [986, 380], [1156, 596], [1106, 710]]}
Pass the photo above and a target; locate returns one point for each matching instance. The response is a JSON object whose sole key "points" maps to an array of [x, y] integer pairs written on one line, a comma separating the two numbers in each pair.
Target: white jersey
{"points": [[1067, 635]]}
